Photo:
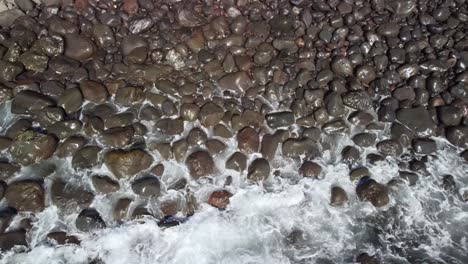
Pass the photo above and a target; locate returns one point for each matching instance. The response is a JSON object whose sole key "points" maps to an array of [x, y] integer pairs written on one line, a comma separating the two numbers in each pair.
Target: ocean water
{"points": [[286, 219]]}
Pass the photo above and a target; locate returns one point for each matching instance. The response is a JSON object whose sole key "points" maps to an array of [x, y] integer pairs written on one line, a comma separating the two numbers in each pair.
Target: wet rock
{"points": [[294, 148], [350, 154], [215, 146], [6, 216], [7, 170], [79, 47], [220, 130], [409, 177], [342, 66], [358, 100], [121, 209], [147, 186], [9, 71], [338, 196], [200, 164], [449, 183], [104, 184], [236, 83], [358, 173], [259, 170], [61, 238], [364, 139], [31, 147], [365, 74], [390, 147], [26, 196], [417, 120], [269, 146], [365, 258], [424, 146], [70, 146], [69, 197], [128, 96], [29, 102], [66, 128], [103, 36], [210, 114], [372, 191], [310, 169], [248, 140], [402, 134], [196, 137], [89, 220], [126, 163], [334, 104], [280, 119], [33, 61], [118, 137], [11, 239], [86, 157], [237, 161], [170, 126], [70, 100], [457, 135], [219, 199], [389, 29], [450, 115], [94, 91]]}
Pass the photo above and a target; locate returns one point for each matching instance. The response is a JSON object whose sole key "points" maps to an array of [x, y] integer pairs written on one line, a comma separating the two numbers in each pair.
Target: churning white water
{"points": [[288, 219]]}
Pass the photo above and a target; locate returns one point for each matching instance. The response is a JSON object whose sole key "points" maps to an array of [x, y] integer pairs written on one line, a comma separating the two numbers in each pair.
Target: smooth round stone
{"points": [[372, 191], [259, 170], [30, 147], [338, 196], [342, 66], [104, 184], [89, 220], [79, 47], [389, 29], [424, 146], [147, 186], [310, 169], [103, 35], [248, 140], [26, 196], [94, 92], [126, 163], [237, 161], [200, 164], [219, 199]]}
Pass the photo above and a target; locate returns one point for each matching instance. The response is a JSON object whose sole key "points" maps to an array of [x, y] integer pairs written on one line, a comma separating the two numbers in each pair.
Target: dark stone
{"points": [[89, 220]]}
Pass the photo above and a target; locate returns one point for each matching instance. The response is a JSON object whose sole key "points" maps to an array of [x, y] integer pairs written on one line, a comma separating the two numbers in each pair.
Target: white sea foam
{"points": [[422, 223]]}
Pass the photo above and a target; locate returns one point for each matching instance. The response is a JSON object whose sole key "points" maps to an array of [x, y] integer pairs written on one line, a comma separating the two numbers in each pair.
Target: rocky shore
{"points": [[147, 100]]}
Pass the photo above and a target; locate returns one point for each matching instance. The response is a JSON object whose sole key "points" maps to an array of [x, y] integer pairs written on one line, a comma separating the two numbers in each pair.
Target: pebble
{"points": [[126, 163], [26, 196], [200, 164], [372, 191], [147, 186], [338, 196], [89, 220], [219, 199], [259, 170]]}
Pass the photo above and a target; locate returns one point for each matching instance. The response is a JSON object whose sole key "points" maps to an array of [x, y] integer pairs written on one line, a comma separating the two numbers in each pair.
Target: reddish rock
{"points": [[219, 199]]}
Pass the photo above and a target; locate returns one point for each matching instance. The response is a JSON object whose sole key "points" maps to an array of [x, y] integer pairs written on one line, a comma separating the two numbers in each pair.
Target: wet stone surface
{"points": [[333, 127]]}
